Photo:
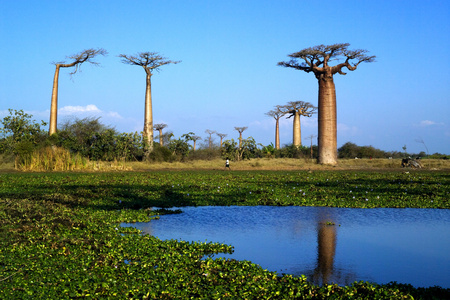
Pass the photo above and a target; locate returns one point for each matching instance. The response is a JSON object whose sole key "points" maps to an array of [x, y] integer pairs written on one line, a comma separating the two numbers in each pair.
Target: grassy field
{"points": [[253, 164], [60, 239]]}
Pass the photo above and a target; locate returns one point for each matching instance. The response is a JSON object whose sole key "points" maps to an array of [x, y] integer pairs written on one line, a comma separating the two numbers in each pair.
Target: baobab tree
{"points": [[76, 61], [210, 132], [277, 113], [240, 130], [159, 128], [195, 138], [316, 60], [221, 135], [191, 137], [151, 62], [298, 109]]}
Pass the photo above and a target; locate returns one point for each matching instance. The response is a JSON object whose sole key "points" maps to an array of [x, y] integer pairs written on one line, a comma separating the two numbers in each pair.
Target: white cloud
{"points": [[428, 123], [88, 110], [67, 110]]}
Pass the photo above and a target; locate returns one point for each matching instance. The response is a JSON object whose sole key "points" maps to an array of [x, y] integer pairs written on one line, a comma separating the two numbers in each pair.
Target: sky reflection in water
{"points": [[376, 245]]}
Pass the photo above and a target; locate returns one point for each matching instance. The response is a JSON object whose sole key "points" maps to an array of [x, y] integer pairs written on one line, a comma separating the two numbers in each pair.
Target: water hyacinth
{"points": [[80, 211]]}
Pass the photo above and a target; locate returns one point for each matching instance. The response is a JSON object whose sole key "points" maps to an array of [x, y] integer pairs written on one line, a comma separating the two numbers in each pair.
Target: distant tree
{"points": [[348, 150], [311, 148], [195, 138], [221, 135], [316, 60], [247, 150], [151, 62], [76, 61], [19, 133], [277, 113], [297, 109], [88, 137], [240, 130], [210, 132], [179, 147], [159, 128]]}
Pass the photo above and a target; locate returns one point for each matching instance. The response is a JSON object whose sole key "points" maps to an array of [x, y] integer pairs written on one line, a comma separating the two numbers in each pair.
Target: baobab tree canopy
{"points": [[316, 59], [150, 61]]}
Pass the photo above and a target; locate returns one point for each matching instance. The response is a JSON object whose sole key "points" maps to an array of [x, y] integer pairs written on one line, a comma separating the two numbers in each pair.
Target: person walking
{"points": [[227, 164]]}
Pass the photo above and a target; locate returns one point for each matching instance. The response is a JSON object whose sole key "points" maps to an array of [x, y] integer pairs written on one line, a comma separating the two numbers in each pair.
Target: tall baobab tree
{"points": [[298, 109], [210, 132], [76, 61], [159, 128], [316, 60], [221, 135], [277, 113], [195, 138], [151, 62], [240, 130]]}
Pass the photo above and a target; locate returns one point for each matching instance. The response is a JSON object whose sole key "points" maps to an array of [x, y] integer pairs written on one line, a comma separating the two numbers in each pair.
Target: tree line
{"points": [[317, 60], [21, 136]]}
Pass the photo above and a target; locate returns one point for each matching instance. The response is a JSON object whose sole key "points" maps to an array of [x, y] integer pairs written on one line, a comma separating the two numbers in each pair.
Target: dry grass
{"points": [[49, 163], [290, 164]]}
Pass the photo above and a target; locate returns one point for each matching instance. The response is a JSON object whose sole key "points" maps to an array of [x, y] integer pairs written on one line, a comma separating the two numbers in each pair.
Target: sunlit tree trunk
{"points": [[54, 103], [240, 140], [327, 141], [277, 133], [148, 115], [297, 134]]}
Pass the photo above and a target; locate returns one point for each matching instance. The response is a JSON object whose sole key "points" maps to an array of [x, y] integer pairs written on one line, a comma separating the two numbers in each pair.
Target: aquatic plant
{"points": [[60, 239]]}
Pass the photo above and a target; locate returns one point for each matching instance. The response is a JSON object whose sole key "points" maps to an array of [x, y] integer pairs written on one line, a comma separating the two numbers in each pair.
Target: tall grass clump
{"points": [[51, 159]]}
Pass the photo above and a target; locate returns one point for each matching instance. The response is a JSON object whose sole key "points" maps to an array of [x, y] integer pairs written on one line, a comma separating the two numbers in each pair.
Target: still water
{"points": [[333, 245]]}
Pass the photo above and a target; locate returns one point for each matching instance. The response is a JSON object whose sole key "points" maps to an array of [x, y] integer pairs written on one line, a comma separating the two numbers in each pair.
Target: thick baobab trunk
{"points": [[277, 134], [297, 134], [54, 103], [327, 122], [148, 116]]}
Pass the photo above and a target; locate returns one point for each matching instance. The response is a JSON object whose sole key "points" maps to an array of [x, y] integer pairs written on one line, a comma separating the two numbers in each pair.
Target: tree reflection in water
{"points": [[326, 250]]}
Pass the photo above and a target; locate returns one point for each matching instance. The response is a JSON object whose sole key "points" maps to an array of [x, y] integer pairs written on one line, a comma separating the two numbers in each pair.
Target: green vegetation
{"points": [[60, 239], [82, 144]]}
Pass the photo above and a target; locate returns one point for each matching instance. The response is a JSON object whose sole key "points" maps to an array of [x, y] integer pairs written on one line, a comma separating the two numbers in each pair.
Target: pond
{"points": [[328, 245]]}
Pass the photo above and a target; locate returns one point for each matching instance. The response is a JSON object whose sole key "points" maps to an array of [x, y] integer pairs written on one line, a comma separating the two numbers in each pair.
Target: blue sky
{"points": [[229, 76]]}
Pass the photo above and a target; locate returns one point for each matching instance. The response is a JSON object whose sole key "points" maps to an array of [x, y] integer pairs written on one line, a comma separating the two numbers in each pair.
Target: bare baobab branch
{"points": [[76, 61]]}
